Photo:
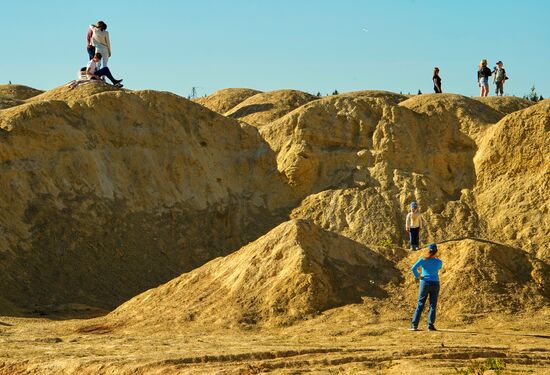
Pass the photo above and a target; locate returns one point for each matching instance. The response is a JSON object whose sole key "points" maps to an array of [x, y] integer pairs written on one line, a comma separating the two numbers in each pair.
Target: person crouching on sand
{"points": [[413, 224], [429, 286], [94, 70]]}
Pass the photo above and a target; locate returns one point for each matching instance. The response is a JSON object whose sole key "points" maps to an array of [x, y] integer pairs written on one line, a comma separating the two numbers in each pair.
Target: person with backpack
{"points": [[429, 286], [95, 71], [437, 81], [499, 78], [413, 224], [100, 41], [483, 74]]}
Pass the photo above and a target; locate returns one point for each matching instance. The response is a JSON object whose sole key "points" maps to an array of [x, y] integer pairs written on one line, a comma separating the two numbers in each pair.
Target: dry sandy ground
{"points": [[349, 340]]}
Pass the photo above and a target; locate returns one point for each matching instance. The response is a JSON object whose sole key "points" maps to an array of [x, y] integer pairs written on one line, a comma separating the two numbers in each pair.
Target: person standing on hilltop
{"points": [[100, 41], [437, 81], [499, 77], [483, 74], [429, 286], [413, 224]]}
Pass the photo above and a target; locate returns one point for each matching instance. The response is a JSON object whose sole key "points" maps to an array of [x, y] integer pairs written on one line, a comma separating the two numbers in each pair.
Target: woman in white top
{"points": [[100, 40]]}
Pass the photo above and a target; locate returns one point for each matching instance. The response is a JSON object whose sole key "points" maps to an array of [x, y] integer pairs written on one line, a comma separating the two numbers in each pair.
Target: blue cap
{"points": [[432, 248], [414, 205]]}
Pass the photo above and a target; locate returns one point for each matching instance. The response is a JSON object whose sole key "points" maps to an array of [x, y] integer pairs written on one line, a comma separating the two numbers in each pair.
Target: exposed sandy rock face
{"points": [[505, 104], [223, 100], [472, 116], [372, 216], [264, 108], [349, 140], [12, 95], [293, 272], [105, 196], [513, 187], [480, 279]]}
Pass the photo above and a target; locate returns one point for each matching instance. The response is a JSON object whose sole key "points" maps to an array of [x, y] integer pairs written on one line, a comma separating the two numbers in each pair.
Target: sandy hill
{"points": [[12, 95], [505, 104], [513, 187], [107, 194], [223, 100], [19, 92], [261, 109], [473, 116], [294, 271]]}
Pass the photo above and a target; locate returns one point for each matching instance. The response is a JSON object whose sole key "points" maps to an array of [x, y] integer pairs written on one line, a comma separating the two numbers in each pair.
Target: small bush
{"points": [[495, 364]]}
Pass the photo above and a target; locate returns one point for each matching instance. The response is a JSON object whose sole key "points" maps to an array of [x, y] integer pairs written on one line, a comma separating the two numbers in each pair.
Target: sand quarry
{"points": [[254, 232]]}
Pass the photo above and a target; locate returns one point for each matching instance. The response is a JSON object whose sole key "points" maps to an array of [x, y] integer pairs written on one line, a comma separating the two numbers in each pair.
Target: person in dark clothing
{"points": [[437, 81], [95, 71], [483, 74]]}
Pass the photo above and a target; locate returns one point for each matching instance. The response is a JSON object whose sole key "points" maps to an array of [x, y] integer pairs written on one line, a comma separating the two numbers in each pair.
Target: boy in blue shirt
{"points": [[429, 286]]}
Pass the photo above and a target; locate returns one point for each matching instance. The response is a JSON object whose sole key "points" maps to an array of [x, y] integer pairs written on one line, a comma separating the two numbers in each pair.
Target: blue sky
{"points": [[310, 45]]}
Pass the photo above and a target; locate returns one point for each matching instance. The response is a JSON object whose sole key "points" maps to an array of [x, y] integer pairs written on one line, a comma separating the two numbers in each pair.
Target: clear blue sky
{"points": [[311, 45]]}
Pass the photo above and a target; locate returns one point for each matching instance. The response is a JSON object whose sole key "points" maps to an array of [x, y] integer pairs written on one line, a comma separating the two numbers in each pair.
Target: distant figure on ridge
{"points": [[483, 74], [95, 71], [499, 78], [413, 224], [437, 81], [429, 286], [100, 41]]}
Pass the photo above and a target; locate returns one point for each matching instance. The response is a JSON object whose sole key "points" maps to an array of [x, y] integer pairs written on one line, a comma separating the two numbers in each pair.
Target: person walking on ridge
{"points": [[413, 224], [499, 78], [101, 42], [429, 286], [483, 74], [437, 81]]}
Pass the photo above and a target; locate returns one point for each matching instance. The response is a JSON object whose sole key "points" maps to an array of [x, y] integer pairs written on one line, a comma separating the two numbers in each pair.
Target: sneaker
{"points": [[119, 85], [413, 328], [432, 328]]}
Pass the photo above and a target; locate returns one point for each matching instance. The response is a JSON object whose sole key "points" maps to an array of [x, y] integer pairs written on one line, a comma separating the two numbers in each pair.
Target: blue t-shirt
{"points": [[430, 269]]}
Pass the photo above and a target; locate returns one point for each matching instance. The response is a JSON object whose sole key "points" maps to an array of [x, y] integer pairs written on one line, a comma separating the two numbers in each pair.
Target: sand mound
{"points": [[120, 192], [513, 168], [388, 96], [289, 274], [12, 95], [481, 279], [473, 116], [505, 104], [18, 92], [71, 95], [262, 109], [223, 100]]}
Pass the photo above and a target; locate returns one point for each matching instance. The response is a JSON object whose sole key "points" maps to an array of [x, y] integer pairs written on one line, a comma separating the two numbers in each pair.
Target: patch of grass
{"points": [[495, 364], [386, 243]]}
